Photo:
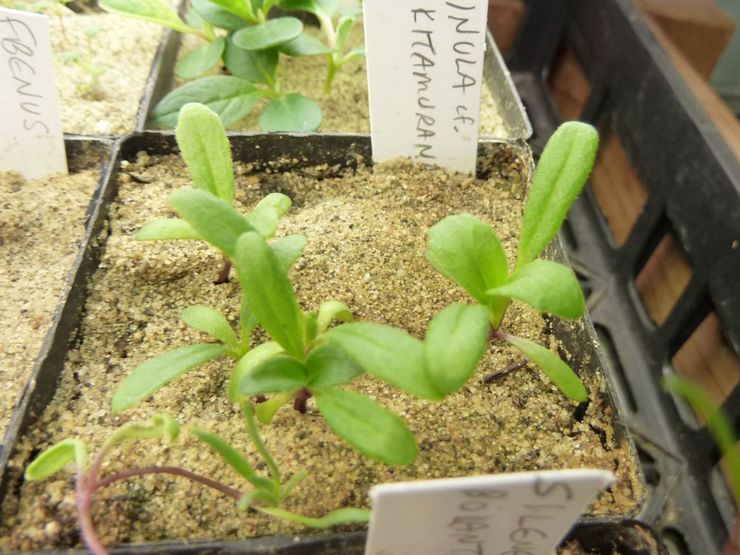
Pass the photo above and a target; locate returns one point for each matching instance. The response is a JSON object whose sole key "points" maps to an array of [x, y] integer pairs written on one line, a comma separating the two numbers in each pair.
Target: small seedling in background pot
{"points": [[250, 52], [85, 60], [467, 251], [268, 495]]}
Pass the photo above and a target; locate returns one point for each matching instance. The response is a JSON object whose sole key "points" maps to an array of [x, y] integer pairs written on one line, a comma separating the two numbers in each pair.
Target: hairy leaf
{"points": [[217, 16], [366, 426], [248, 363], [155, 11], [167, 229], [233, 458], [287, 250], [230, 97], [210, 321], [329, 366], [304, 45], [455, 342], [277, 374], [467, 251], [256, 66], [265, 216], [547, 286], [269, 292], [332, 310], [213, 219], [55, 458], [200, 60], [154, 374], [551, 364], [336, 517], [206, 150], [291, 113], [389, 353], [561, 172], [272, 32]]}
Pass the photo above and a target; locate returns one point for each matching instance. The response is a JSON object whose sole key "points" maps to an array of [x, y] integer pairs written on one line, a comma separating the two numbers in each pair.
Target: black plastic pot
{"points": [[297, 151], [693, 194]]}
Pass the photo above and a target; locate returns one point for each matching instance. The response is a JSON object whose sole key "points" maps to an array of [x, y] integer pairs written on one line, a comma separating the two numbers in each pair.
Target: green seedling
{"points": [[85, 60], [468, 252], [267, 496], [239, 35], [207, 154]]}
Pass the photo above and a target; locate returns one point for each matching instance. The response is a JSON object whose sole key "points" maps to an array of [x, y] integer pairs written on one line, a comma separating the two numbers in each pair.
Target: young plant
{"points": [[268, 495], [467, 251], [85, 60], [239, 35]]}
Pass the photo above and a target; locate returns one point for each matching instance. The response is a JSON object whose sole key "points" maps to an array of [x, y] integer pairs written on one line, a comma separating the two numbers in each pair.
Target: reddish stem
{"points": [[87, 527], [223, 276], [299, 403], [177, 471]]}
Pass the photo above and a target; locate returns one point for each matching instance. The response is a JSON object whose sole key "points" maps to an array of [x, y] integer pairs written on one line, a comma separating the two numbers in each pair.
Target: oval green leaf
{"points": [[206, 150], [552, 365], [55, 458], [230, 97], [217, 16], [277, 374], [329, 366], [272, 32], [304, 45], [154, 374], [455, 342], [291, 113], [200, 60], [247, 363], [332, 310], [210, 321], [368, 427], [167, 229], [257, 66], [288, 249], [154, 11]]}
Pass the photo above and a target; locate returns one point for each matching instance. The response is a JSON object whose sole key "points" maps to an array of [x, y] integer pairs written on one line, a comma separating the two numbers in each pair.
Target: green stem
{"points": [[254, 435], [497, 308], [331, 72]]}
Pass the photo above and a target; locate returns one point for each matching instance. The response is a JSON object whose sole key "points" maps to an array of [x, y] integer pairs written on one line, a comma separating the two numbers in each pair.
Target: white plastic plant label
{"points": [[31, 139], [424, 69], [525, 513]]}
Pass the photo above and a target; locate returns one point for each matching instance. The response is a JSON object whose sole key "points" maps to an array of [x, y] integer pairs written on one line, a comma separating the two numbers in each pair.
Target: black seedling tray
{"points": [[693, 184], [295, 151]]}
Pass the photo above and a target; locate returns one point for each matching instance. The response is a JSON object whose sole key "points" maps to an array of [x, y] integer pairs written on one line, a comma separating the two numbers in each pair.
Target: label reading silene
{"points": [[425, 70], [525, 513], [31, 139]]}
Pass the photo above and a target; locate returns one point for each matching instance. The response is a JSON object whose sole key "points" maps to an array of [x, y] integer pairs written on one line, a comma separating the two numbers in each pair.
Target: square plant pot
{"points": [[307, 169]]}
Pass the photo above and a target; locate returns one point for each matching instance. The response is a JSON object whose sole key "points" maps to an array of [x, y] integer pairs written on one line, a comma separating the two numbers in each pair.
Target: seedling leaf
{"points": [[388, 353], [344, 26], [269, 292], [367, 426], [561, 173], [272, 32], [247, 363], [160, 425], [230, 97], [328, 366], [217, 16], [56, 457], [287, 250], [201, 59], [155, 11], [291, 112], [210, 321], [154, 374], [256, 66], [206, 150], [468, 252], [265, 216], [547, 286], [266, 411], [337, 517], [277, 374], [233, 458], [241, 8], [455, 341], [304, 45], [560, 373], [167, 229], [321, 8], [212, 218], [332, 310]]}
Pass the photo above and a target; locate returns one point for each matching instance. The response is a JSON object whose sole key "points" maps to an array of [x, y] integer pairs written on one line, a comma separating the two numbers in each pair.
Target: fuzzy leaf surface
{"points": [[230, 97], [155, 373], [155, 11], [248, 363], [455, 341], [366, 426], [287, 250], [167, 229], [561, 173], [277, 374], [55, 458], [200, 60], [553, 366], [256, 66], [546, 285], [291, 113], [272, 32], [210, 321], [467, 251], [269, 292], [266, 215], [206, 150], [213, 219], [388, 353], [328, 366]]}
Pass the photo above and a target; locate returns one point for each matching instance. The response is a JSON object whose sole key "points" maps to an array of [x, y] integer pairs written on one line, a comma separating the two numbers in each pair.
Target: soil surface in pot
{"points": [[345, 109], [366, 236], [41, 225], [123, 49]]}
